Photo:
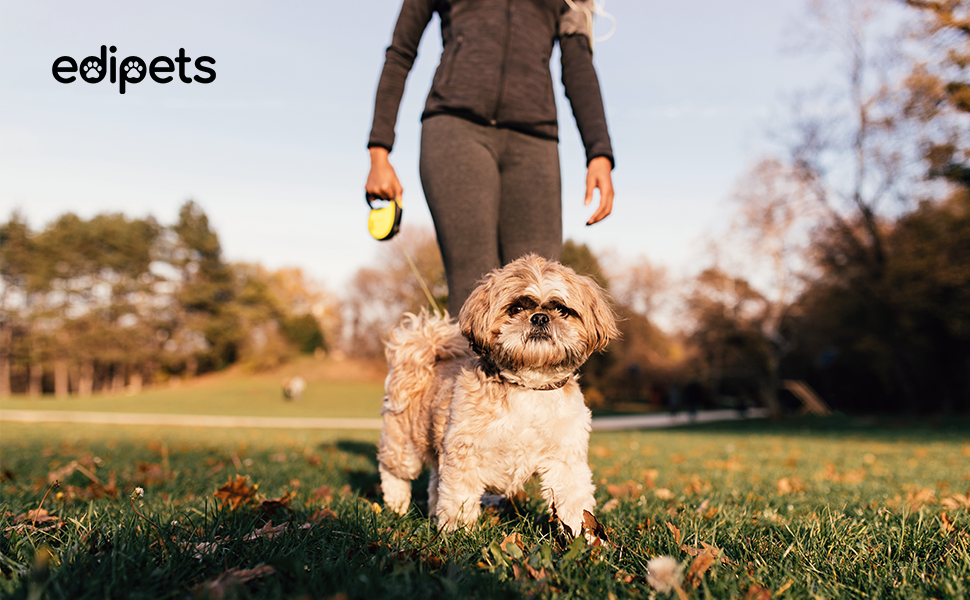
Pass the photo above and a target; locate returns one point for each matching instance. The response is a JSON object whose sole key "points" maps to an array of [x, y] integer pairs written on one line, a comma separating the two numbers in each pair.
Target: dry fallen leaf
{"points": [[266, 531], [513, 538], [236, 493], [946, 524], [956, 501], [593, 526], [610, 505], [674, 530], [756, 592], [698, 567], [225, 583], [271, 507]]}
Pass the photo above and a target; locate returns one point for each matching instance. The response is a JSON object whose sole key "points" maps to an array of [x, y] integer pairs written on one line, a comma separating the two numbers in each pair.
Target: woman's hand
{"points": [[382, 181], [599, 175]]}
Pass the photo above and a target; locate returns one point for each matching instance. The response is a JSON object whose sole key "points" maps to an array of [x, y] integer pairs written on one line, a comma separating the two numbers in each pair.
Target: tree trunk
{"points": [[60, 378], [118, 381], [86, 384], [135, 382], [36, 386], [6, 338], [769, 387]]}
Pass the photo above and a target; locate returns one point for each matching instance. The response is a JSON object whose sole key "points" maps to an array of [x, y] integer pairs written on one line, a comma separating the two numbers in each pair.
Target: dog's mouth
{"points": [[538, 335]]}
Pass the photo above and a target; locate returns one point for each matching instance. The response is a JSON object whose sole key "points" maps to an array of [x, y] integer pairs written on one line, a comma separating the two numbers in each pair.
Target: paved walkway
{"points": [[650, 421]]}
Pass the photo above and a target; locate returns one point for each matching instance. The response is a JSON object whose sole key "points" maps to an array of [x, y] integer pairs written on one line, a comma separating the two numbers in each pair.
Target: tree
{"points": [[378, 296], [938, 87]]}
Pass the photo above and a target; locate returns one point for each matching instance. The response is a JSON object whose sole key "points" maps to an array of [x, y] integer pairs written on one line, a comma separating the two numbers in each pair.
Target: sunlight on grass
{"points": [[813, 508]]}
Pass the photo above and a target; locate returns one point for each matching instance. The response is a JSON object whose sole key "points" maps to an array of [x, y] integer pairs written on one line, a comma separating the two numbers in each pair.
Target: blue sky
{"points": [[274, 148]]}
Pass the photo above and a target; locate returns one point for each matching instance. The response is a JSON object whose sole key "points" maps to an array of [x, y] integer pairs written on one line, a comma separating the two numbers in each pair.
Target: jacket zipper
{"points": [[454, 57], [505, 52]]}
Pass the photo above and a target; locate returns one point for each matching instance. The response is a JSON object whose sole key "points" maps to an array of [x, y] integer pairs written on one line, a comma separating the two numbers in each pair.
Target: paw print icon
{"points": [[92, 71], [132, 71]]}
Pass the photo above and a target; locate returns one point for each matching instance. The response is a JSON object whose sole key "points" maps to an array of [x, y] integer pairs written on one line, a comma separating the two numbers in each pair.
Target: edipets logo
{"points": [[133, 69]]}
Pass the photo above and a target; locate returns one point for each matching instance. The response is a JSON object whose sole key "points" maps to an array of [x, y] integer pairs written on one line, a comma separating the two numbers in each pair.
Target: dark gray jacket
{"points": [[494, 68]]}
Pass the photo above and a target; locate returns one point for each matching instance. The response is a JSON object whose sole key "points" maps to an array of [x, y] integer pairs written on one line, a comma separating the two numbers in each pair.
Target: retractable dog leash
{"points": [[385, 221]]}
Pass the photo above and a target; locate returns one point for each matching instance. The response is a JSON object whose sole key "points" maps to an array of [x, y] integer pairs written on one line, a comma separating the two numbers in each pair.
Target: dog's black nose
{"points": [[540, 319]]}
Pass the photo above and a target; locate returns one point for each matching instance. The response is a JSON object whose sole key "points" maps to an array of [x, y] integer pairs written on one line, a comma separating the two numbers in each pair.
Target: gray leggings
{"points": [[494, 194]]}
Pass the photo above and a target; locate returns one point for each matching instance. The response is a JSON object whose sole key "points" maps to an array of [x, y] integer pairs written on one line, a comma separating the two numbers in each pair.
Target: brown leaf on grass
{"points": [[513, 538], [650, 478], [756, 592], [611, 504], [698, 567], [674, 530], [537, 575], [236, 492], [271, 507], [956, 501], [266, 531], [323, 514], [791, 485], [946, 525], [592, 525], [712, 550], [830, 474], [322, 494], [37, 519], [227, 582], [630, 489]]}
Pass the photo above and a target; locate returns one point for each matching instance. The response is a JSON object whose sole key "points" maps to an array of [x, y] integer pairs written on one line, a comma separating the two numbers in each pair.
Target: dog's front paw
{"points": [[397, 491]]}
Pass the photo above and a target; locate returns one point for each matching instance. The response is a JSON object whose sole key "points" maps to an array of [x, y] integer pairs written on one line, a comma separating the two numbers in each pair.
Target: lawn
{"points": [[334, 389], [828, 508]]}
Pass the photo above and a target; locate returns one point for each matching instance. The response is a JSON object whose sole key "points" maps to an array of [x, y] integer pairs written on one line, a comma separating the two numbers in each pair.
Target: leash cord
{"points": [[417, 274]]}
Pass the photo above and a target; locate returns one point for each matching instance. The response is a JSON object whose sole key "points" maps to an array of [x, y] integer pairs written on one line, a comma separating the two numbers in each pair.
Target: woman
{"points": [[489, 140]]}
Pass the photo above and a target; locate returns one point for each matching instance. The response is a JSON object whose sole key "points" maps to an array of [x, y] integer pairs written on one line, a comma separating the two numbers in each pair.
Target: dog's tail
{"points": [[418, 343]]}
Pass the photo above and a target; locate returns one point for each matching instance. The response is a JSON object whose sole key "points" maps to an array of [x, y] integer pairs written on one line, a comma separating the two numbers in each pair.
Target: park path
{"points": [[648, 421]]}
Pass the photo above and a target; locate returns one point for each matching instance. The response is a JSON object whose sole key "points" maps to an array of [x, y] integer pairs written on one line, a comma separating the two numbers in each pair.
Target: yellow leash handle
{"points": [[383, 222]]}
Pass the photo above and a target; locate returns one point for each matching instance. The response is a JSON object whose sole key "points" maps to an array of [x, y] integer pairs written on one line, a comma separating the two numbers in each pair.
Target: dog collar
{"points": [[491, 369], [549, 387]]}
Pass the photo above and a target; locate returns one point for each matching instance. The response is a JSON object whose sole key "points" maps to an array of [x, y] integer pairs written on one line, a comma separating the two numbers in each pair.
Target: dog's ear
{"points": [[475, 316], [598, 316]]}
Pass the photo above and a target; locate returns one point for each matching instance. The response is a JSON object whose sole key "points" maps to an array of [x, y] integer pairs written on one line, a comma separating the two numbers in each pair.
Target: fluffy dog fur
{"points": [[492, 400]]}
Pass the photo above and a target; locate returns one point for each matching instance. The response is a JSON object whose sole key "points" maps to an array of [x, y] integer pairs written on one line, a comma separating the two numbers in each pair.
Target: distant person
{"points": [[489, 159]]}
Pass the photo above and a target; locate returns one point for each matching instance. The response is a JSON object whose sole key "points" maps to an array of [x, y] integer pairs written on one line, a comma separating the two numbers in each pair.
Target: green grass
{"points": [[249, 396], [826, 508]]}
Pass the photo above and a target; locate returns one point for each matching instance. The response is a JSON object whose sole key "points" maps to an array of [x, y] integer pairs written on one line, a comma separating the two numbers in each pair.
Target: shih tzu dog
{"points": [[491, 400]]}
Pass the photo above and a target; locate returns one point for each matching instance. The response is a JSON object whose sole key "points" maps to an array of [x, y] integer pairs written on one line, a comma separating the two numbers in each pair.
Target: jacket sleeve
{"points": [[398, 60], [583, 91]]}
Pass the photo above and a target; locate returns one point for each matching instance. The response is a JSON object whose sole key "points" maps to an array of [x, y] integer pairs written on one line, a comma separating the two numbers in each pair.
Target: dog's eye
{"points": [[562, 310], [515, 309]]}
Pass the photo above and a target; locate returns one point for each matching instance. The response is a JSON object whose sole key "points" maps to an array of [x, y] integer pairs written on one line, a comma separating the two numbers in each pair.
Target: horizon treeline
{"points": [[112, 304]]}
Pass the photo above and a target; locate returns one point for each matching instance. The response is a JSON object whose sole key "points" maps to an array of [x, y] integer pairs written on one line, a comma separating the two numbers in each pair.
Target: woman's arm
{"points": [[583, 91], [398, 60]]}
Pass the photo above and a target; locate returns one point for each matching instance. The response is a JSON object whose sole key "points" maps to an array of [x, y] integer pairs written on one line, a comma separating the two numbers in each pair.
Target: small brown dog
{"points": [[490, 416]]}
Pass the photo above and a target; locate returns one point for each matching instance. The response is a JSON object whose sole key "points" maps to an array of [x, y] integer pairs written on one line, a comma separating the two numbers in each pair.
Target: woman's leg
{"points": [[460, 176], [530, 217]]}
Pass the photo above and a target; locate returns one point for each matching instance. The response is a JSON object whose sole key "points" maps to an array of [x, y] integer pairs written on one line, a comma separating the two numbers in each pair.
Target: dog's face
{"points": [[537, 316]]}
